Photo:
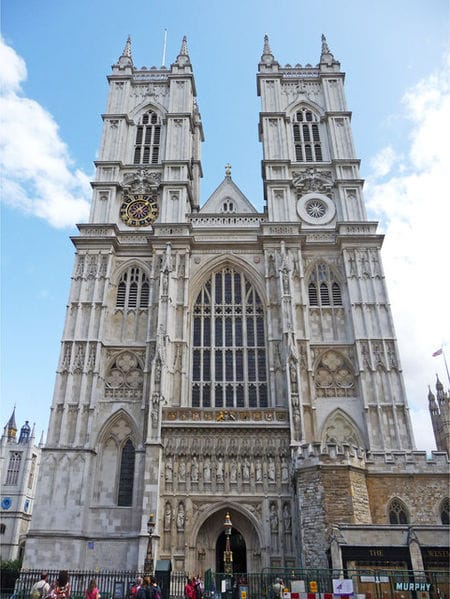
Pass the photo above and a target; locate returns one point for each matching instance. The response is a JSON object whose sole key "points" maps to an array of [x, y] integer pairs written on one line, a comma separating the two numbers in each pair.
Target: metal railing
{"points": [[367, 583]]}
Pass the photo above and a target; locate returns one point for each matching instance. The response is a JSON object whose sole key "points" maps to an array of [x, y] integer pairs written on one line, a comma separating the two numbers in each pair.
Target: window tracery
{"points": [[306, 134], [148, 139], [333, 376], [12, 474], [229, 354], [126, 476], [398, 513], [124, 377]]}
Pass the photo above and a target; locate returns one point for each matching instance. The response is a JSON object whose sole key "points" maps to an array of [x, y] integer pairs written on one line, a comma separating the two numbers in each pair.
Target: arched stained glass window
{"points": [[229, 351], [126, 476]]}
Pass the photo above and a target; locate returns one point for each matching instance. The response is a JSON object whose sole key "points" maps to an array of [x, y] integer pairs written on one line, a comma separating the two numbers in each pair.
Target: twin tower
{"points": [[216, 359]]}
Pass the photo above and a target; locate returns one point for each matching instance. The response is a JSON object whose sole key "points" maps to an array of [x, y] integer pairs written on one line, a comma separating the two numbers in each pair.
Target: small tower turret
{"points": [[439, 407]]}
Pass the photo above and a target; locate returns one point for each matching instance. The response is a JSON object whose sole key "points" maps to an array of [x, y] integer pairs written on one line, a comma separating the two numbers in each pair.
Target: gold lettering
{"points": [[376, 552]]}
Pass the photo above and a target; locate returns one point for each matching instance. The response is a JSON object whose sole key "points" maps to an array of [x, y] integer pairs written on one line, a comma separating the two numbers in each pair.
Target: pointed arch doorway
{"points": [[238, 548]]}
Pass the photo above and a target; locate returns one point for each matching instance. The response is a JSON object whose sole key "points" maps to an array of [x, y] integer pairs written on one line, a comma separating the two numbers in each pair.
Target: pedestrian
{"points": [[61, 588], [41, 588], [92, 591], [189, 589], [155, 589], [144, 591], [135, 588]]}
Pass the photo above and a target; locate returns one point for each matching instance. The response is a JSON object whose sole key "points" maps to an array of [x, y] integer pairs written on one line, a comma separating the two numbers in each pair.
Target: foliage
{"points": [[9, 572]]}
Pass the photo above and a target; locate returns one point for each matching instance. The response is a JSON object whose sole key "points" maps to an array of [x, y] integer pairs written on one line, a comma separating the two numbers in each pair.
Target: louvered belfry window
{"points": [[229, 353], [306, 133], [148, 139], [133, 289], [323, 290]]}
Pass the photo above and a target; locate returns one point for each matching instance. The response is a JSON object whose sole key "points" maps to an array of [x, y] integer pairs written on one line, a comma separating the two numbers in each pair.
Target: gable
{"points": [[228, 199]]}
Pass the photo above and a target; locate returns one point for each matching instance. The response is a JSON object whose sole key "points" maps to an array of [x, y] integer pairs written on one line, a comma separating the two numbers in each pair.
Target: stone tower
{"points": [[439, 406], [213, 354], [19, 465]]}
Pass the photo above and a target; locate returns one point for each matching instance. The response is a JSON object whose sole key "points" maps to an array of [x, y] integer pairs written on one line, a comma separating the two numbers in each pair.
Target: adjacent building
{"points": [[19, 466], [220, 359]]}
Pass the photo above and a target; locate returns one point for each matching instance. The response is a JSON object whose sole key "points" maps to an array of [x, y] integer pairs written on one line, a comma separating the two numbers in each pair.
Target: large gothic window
{"points": [[12, 475], [148, 139], [398, 514], [126, 476], [229, 354], [306, 132], [133, 289], [323, 289]]}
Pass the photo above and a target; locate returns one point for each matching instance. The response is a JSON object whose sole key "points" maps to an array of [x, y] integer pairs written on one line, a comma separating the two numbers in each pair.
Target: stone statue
{"points": [[273, 519], [271, 470], [180, 516], [258, 471], [167, 516], [219, 470], [169, 470], [207, 471], [194, 469]]}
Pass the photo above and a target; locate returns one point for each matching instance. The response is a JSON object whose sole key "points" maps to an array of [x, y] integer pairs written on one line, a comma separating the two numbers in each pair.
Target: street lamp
{"points": [[228, 554], [148, 562]]}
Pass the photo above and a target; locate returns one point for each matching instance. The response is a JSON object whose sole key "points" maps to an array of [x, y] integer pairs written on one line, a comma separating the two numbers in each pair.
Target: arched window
{"points": [[306, 133], [148, 139], [12, 476], [133, 289], [323, 290], [229, 353], [398, 513], [445, 511], [126, 476]]}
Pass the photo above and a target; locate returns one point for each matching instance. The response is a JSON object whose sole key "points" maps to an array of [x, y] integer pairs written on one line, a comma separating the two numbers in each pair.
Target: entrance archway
{"points": [[238, 548]]}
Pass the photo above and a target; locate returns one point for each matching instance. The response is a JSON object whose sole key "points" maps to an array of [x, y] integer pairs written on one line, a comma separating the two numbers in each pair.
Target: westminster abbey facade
{"points": [[219, 359]]}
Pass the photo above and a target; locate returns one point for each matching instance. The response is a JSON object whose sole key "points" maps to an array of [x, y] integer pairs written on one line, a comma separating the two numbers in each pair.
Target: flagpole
{"points": [[446, 366]]}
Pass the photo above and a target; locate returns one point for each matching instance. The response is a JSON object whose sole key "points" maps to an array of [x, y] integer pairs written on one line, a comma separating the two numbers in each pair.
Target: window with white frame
{"points": [[148, 139], [133, 289], [323, 289], [12, 475], [306, 132], [229, 352]]}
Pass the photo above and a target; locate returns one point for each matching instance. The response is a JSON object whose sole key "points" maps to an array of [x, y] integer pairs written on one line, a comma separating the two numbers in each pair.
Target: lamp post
{"points": [[148, 562], [228, 554]]}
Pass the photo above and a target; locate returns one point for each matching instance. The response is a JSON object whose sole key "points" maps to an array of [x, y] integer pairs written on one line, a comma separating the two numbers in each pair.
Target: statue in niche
{"points": [[246, 470], [271, 470], [219, 470], [207, 471], [167, 516], [194, 469], [273, 519], [258, 471], [293, 375], [169, 470], [287, 519], [180, 517], [233, 470], [182, 472]]}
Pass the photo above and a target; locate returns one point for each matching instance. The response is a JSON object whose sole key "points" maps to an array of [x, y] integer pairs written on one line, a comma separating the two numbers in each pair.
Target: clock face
{"points": [[139, 210]]}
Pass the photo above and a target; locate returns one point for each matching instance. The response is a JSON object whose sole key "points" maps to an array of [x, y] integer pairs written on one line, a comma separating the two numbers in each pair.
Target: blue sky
{"points": [[54, 59]]}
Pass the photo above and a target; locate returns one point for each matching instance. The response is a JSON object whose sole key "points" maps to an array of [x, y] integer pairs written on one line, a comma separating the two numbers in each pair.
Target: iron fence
{"points": [[308, 583]]}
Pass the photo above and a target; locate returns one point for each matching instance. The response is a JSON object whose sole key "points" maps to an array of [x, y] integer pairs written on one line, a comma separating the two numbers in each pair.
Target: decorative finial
{"points": [[325, 48], [127, 50], [267, 49], [184, 50], [228, 169]]}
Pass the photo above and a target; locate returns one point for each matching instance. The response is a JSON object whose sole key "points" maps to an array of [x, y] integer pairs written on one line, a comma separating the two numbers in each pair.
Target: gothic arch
{"points": [[334, 271], [124, 375], [340, 428], [397, 512], [146, 106], [296, 105], [334, 375], [218, 262], [107, 431], [122, 268]]}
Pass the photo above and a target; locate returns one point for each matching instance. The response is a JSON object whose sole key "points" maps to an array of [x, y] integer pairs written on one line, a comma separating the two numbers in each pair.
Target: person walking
{"points": [[92, 591], [40, 588]]}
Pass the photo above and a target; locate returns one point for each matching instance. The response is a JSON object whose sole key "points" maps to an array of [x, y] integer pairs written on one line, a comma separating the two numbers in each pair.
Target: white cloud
{"points": [[414, 206], [37, 172]]}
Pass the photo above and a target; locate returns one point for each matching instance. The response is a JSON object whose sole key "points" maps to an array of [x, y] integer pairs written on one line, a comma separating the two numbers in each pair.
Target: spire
{"points": [[267, 56], [125, 58], [326, 56], [11, 427], [183, 56]]}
